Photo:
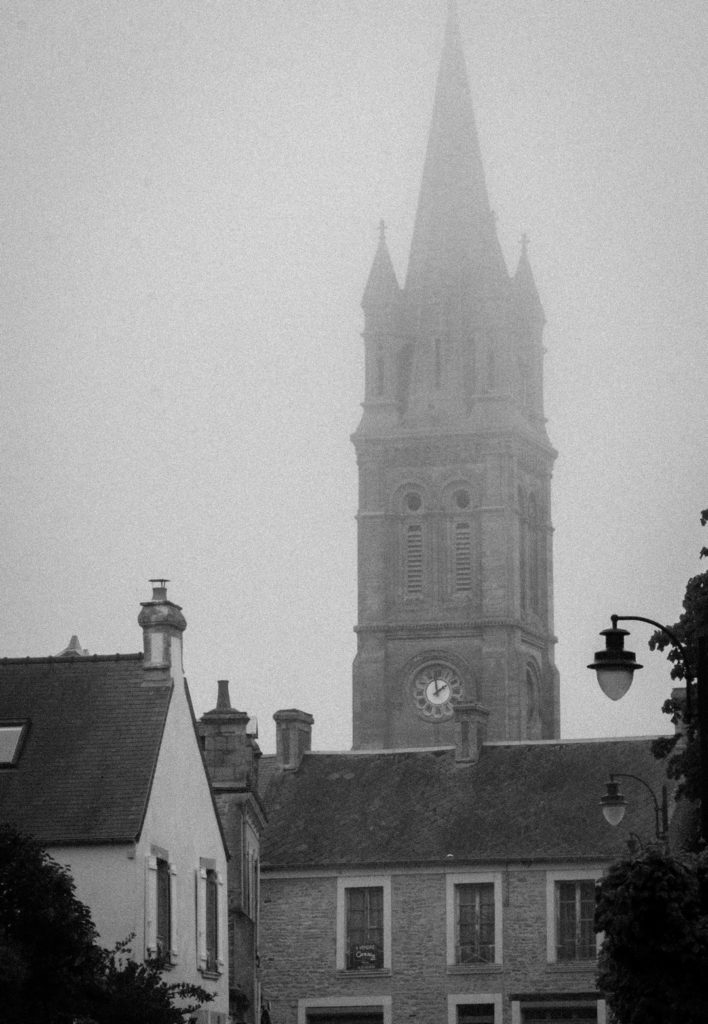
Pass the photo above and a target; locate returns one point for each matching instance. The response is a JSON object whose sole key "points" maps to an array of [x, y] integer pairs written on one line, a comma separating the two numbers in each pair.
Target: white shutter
{"points": [[222, 926], [200, 879], [174, 914], [150, 906]]}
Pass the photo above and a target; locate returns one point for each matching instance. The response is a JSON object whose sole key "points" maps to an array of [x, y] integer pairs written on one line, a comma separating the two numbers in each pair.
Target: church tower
{"points": [[454, 533]]}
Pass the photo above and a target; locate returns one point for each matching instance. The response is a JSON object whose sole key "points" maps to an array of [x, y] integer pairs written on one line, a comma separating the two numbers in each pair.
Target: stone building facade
{"points": [[424, 886]]}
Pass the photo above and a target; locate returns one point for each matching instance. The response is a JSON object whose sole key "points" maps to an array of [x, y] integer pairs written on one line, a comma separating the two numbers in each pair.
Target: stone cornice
{"points": [[419, 629]]}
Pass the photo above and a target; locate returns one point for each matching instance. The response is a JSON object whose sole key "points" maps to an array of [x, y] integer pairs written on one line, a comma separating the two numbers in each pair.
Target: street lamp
{"points": [[615, 668], [614, 804]]}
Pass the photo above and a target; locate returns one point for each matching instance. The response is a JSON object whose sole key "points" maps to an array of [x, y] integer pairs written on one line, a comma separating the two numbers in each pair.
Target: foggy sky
{"points": [[190, 194]]}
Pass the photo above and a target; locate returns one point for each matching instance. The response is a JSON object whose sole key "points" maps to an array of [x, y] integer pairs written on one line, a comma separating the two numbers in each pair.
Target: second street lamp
{"points": [[614, 804]]}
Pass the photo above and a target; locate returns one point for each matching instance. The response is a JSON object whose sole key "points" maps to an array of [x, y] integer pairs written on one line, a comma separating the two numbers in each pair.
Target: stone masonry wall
{"points": [[298, 943]]}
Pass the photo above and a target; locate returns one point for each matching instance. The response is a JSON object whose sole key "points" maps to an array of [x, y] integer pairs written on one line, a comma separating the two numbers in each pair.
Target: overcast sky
{"points": [[190, 193]]}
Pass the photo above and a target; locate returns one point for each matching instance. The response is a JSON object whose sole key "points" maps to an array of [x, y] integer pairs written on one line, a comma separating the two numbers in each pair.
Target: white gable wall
{"points": [[180, 823]]}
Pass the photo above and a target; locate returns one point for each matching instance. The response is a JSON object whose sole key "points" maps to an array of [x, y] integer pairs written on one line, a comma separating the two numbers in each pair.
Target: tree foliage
{"points": [[52, 970], [653, 965], [683, 760]]}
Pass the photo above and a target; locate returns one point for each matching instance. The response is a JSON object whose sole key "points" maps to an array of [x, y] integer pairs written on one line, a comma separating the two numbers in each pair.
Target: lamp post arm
{"points": [[688, 671], [661, 812], [664, 629]]}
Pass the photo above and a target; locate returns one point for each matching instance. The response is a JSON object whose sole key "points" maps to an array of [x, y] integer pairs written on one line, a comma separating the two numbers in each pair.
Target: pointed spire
{"points": [[454, 247], [382, 290], [525, 285]]}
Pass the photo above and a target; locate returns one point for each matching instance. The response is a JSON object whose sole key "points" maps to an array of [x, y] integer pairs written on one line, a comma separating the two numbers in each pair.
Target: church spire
{"points": [[454, 248]]}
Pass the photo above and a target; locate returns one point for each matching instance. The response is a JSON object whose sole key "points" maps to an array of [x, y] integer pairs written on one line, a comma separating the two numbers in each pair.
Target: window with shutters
{"points": [[211, 918], [164, 909], [414, 558], [363, 923], [570, 909], [161, 907]]}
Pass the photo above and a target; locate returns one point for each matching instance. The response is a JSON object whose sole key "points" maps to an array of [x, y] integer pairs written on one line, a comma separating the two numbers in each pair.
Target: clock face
{"points": [[435, 688]]}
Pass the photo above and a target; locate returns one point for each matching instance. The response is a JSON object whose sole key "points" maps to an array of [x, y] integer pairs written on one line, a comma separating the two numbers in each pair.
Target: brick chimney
{"points": [[470, 731], [293, 736], [163, 624], [230, 751]]}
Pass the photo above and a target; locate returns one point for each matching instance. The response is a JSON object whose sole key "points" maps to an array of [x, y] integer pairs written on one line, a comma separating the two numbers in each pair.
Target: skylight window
{"points": [[12, 735]]}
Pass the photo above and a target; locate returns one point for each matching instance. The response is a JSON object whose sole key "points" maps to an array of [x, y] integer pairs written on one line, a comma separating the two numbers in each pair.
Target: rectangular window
{"points": [[480, 1008], [475, 1013], [474, 913], [212, 921], [364, 928], [161, 907], [163, 929], [210, 918], [575, 911]]}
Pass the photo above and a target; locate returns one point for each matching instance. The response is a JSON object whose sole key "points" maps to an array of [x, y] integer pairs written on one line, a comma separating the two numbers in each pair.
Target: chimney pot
{"points": [[470, 731], [162, 623], [293, 736], [223, 701]]}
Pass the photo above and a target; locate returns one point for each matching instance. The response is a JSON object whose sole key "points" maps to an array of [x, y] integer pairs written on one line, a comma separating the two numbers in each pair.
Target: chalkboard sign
{"points": [[365, 954]]}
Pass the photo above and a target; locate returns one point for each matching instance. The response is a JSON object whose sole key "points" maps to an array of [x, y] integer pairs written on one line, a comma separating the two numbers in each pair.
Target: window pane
{"points": [[163, 908], [212, 920], [364, 927], [575, 909], [9, 740], [476, 1013], [475, 923]]}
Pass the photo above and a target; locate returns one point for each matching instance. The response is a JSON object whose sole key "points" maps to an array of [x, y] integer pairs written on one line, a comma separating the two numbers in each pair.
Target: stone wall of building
{"points": [[299, 939]]}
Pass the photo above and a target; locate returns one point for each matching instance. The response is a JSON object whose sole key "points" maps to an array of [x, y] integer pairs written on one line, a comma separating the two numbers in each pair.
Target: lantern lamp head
{"points": [[615, 667]]}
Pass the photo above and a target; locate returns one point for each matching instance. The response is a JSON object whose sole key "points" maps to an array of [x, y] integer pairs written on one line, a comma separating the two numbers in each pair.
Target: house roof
{"points": [[85, 770], [520, 801]]}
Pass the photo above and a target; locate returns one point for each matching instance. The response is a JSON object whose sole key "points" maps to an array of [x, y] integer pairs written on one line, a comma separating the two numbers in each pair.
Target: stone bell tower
{"points": [[454, 533]]}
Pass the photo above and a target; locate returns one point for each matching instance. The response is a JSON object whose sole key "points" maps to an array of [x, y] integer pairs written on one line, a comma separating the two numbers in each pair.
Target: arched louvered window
{"points": [[414, 558], [463, 556]]}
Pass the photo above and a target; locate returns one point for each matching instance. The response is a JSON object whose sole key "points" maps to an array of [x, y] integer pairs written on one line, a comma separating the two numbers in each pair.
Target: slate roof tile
{"points": [[86, 768], [527, 801]]}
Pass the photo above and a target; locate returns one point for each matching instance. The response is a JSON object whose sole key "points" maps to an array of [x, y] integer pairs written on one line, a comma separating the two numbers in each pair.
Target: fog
{"points": [[190, 200]]}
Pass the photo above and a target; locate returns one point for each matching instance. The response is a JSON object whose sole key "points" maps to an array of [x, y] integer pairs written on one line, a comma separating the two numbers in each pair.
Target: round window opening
{"points": [[413, 502], [462, 499]]}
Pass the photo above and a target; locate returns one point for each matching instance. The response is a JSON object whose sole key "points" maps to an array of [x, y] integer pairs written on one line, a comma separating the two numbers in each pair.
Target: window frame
{"points": [[157, 854], [23, 725], [382, 1003], [216, 966], [344, 883], [552, 878], [518, 1005], [474, 999], [452, 881]]}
